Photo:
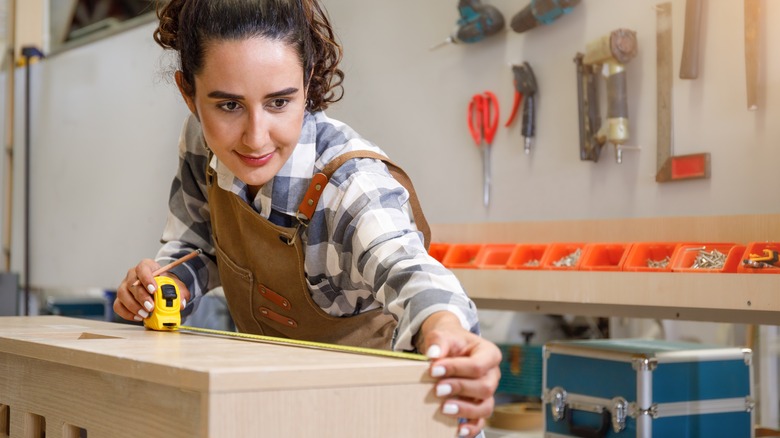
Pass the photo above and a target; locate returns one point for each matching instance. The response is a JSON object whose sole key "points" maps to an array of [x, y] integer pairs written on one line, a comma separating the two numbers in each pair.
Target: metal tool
{"points": [[477, 22], [768, 259], [670, 167], [166, 317], [525, 91], [483, 124], [689, 65], [29, 53], [752, 31], [541, 12], [589, 114], [608, 56]]}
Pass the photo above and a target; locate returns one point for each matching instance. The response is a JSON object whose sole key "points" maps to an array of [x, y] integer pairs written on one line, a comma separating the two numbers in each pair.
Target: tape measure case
{"points": [[646, 388]]}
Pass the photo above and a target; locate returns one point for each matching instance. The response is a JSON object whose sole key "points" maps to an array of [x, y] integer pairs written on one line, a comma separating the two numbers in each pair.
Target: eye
{"points": [[279, 103], [229, 106]]}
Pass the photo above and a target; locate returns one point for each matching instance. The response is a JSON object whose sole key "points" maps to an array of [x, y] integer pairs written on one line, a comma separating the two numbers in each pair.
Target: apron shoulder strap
{"points": [[309, 203]]}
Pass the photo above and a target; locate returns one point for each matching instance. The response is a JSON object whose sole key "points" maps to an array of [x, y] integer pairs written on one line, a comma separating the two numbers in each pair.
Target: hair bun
{"points": [[168, 28]]}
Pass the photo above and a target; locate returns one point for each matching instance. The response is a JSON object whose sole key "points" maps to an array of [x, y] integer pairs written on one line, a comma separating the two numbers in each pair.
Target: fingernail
{"points": [[143, 313], [149, 305], [438, 371], [183, 303], [150, 288], [464, 431], [434, 351], [137, 318], [443, 389], [450, 409]]}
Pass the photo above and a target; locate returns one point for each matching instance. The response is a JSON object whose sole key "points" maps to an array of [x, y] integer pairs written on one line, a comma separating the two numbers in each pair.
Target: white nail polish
{"points": [[150, 288], [143, 313], [149, 305], [464, 431], [438, 371], [137, 318], [183, 303], [443, 390], [434, 351], [450, 409]]}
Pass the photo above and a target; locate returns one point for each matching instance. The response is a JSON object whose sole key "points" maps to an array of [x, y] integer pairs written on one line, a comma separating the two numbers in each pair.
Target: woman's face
{"points": [[250, 100]]}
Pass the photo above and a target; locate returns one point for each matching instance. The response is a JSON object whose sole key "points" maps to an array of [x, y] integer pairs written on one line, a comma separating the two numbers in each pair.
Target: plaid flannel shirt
{"points": [[362, 250]]}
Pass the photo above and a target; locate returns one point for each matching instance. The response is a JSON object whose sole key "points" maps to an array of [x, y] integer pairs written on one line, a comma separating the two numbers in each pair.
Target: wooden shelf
{"points": [[744, 298]]}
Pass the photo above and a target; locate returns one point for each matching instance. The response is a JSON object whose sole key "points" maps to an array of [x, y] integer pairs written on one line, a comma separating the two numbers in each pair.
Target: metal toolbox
{"points": [[646, 388]]}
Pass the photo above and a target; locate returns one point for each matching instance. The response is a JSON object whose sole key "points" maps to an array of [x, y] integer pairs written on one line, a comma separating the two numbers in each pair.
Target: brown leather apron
{"points": [[261, 267]]}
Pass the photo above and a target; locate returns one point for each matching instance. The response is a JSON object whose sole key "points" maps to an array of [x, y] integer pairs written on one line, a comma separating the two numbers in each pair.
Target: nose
{"points": [[256, 129]]}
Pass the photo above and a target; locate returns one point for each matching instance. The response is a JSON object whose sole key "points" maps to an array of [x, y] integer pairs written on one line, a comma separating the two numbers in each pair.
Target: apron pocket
{"points": [[237, 283]]}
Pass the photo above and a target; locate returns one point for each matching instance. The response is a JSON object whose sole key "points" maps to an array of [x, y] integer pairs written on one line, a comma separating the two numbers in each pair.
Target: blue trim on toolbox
{"points": [[685, 381], [590, 420], [595, 377], [726, 424]]}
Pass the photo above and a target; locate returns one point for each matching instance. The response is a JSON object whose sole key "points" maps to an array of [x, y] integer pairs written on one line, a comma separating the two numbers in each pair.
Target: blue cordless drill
{"points": [[541, 12], [477, 21]]}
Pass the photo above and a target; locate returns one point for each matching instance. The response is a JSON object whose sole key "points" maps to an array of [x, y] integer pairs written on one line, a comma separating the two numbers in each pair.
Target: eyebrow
{"points": [[225, 95]]}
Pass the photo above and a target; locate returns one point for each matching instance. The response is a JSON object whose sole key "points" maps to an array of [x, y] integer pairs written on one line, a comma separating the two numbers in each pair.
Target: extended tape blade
{"points": [[305, 344]]}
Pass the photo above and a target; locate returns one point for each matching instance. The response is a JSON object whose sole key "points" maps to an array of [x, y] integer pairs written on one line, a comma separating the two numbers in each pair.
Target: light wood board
{"points": [[116, 380]]}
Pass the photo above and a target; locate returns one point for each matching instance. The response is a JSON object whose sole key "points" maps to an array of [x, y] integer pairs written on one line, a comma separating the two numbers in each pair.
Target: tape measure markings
{"points": [[307, 344]]}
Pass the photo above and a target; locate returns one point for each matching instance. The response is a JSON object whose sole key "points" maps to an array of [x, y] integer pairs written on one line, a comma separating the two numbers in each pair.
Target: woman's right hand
{"points": [[137, 302]]}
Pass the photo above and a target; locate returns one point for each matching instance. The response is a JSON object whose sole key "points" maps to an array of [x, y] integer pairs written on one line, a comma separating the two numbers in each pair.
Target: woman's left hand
{"points": [[467, 367]]}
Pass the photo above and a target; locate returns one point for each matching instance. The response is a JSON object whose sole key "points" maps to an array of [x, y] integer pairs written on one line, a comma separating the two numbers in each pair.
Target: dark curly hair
{"points": [[186, 26]]}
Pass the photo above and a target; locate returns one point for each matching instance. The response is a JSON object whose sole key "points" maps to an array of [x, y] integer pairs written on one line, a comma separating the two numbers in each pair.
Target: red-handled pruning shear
{"points": [[483, 124]]}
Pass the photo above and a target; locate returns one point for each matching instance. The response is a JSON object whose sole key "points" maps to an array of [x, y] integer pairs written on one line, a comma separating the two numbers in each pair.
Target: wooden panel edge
{"points": [[723, 228]]}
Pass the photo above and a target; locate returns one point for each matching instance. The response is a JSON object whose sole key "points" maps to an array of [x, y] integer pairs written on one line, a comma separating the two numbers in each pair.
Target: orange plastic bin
{"points": [[527, 256], [650, 256], [758, 249], [462, 255], [438, 250], [686, 255], [563, 256], [494, 255], [604, 257]]}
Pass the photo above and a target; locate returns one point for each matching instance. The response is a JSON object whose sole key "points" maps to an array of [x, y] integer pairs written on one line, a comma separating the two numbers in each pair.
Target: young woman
{"points": [[300, 219]]}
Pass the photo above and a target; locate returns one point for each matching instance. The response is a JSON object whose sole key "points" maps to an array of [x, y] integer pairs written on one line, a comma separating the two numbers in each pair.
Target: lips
{"points": [[255, 161]]}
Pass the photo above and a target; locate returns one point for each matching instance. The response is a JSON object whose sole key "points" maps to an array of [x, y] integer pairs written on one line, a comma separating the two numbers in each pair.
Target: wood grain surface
{"points": [[116, 380]]}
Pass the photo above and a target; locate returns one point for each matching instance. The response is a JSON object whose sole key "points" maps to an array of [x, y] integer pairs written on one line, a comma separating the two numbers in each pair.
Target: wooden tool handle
{"points": [[752, 27], [689, 67]]}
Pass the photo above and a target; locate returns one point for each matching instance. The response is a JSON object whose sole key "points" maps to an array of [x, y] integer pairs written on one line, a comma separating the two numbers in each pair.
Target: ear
{"points": [[186, 91]]}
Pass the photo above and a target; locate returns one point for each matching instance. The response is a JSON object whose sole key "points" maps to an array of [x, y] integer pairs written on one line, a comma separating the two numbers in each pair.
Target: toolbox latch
{"points": [[620, 412], [558, 403]]}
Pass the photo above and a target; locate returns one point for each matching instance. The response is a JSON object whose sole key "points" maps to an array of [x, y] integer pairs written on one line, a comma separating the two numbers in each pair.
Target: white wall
{"points": [[413, 103], [106, 123]]}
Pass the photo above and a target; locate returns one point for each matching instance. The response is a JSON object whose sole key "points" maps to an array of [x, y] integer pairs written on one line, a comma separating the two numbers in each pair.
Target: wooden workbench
{"points": [[65, 376]]}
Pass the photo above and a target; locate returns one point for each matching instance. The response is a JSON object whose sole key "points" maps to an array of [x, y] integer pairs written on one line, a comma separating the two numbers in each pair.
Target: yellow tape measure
{"points": [[307, 344]]}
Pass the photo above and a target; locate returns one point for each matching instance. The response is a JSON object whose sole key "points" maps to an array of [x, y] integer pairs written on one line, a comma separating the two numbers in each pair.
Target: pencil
{"points": [[172, 265]]}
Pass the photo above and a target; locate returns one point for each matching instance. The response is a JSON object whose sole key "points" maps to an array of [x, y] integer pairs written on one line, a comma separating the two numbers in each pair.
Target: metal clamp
{"points": [[750, 404], [644, 364]]}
